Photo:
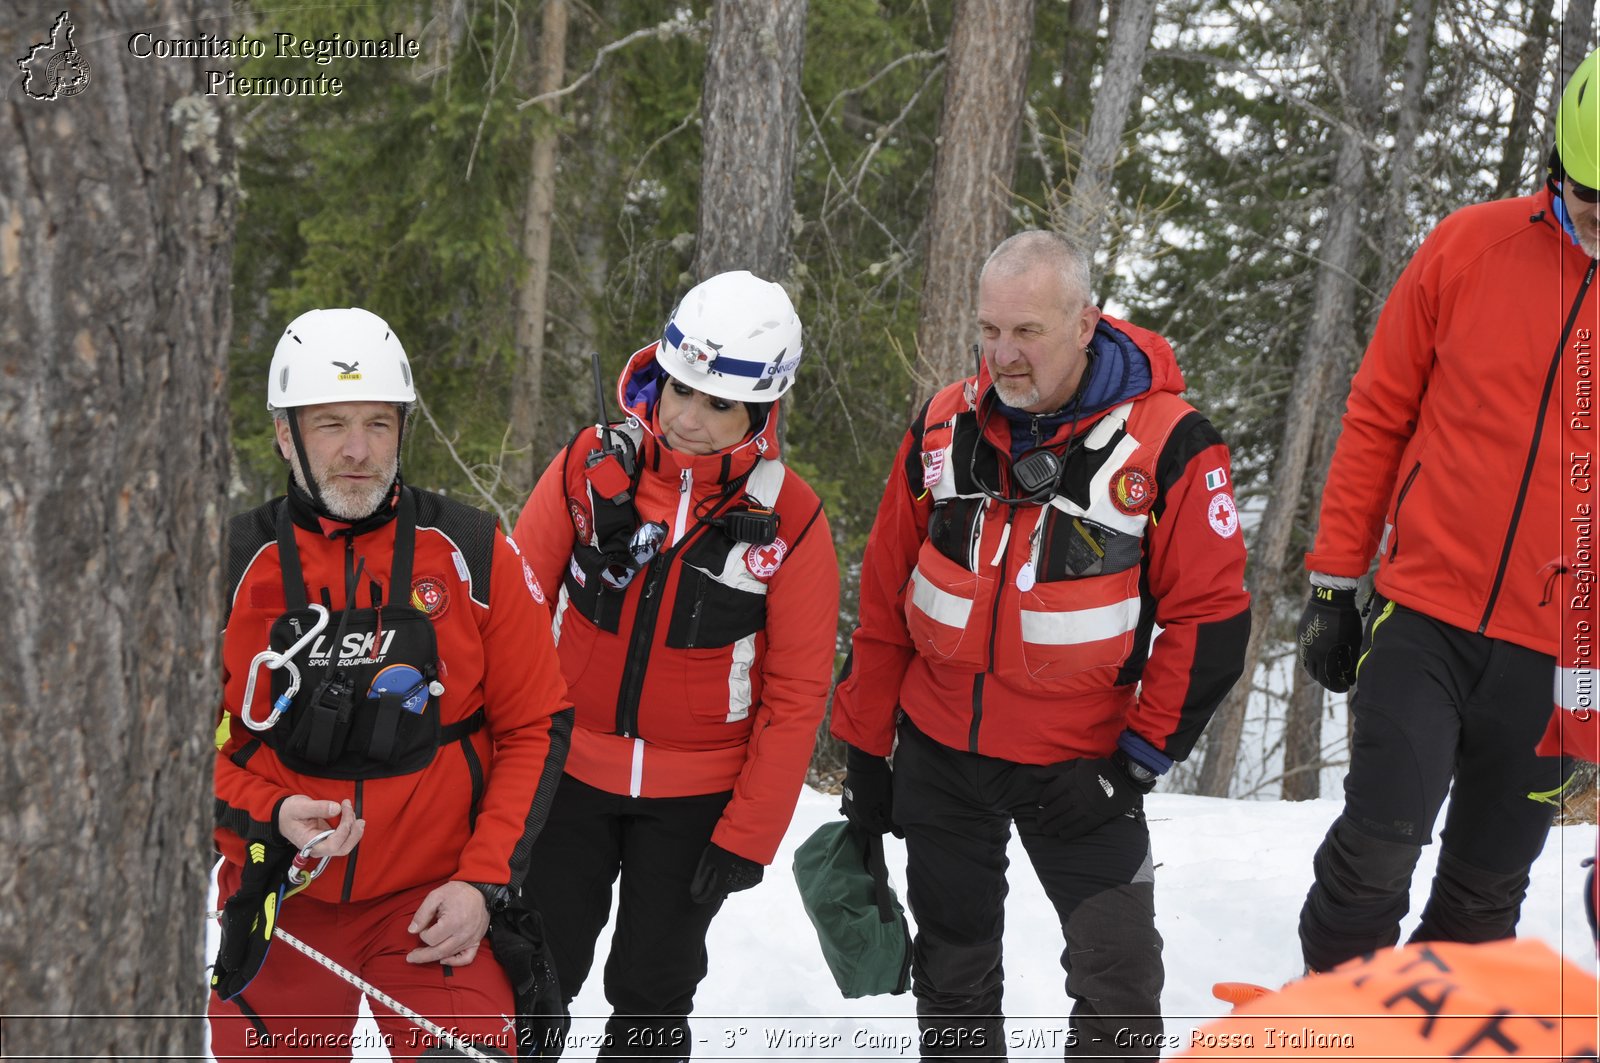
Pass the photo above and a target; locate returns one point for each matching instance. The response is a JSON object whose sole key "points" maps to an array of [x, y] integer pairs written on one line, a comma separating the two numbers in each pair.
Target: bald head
{"points": [[1036, 248]]}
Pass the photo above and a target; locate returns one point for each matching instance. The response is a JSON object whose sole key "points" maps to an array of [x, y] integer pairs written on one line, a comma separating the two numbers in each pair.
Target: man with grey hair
{"points": [[1041, 520]]}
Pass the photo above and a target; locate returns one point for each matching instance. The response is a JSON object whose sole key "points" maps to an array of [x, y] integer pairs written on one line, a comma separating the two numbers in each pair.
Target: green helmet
{"points": [[1578, 123]]}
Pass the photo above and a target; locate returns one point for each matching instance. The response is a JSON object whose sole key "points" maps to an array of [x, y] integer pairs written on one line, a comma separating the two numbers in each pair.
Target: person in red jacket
{"points": [[1465, 466], [392, 706], [1041, 520], [695, 622]]}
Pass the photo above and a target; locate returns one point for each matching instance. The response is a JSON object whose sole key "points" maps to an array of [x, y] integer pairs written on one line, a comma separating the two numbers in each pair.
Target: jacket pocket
{"points": [[1074, 626], [945, 607], [1394, 520]]}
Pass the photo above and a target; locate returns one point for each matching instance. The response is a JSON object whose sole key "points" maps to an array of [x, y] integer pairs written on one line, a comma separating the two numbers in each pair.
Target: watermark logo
{"points": [[55, 68]]}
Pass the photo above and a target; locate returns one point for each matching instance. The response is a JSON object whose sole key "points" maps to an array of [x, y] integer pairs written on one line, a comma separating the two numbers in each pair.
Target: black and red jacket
{"points": [[472, 812], [1023, 631], [709, 671]]}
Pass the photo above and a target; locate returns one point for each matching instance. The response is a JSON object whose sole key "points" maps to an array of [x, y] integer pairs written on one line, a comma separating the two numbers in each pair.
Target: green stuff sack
{"points": [[844, 886]]}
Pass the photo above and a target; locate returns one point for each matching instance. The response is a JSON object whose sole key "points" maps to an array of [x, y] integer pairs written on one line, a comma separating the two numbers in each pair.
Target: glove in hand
{"points": [[721, 873], [1330, 637], [1081, 795], [249, 917], [868, 801]]}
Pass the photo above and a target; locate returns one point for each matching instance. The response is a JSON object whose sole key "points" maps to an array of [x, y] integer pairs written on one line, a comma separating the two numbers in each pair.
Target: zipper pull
{"points": [[683, 481]]}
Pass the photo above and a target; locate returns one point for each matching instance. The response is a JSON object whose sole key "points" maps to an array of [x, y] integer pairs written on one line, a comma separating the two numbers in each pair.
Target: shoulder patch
{"points": [[763, 560], [1222, 514]]}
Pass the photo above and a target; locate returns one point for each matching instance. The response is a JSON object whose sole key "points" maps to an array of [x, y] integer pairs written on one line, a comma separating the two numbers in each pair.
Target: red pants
{"points": [[298, 1009]]}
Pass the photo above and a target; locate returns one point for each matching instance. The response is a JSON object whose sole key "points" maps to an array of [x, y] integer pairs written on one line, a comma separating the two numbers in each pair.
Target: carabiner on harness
{"points": [[274, 661]]}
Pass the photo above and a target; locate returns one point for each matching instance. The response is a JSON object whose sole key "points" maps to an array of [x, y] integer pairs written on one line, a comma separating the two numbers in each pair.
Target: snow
{"points": [[1230, 877]]}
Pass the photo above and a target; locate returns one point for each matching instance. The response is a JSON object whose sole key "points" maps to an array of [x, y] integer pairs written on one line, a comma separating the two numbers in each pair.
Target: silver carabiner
{"points": [[302, 861]]}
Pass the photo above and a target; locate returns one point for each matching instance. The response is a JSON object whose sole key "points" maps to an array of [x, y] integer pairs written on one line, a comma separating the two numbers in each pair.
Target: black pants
{"points": [[1434, 706], [658, 951], [956, 810]]}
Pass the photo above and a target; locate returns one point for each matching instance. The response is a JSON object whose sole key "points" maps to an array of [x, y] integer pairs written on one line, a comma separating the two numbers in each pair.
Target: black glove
{"points": [[868, 801], [249, 916], [1080, 795], [721, 873], [1330, 637]]}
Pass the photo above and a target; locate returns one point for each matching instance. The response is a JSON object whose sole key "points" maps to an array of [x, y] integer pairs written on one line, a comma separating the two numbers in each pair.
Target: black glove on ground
{"points": [[868, 801], [248, 918], [1330, 637], [1083, 794], [721, 873]]}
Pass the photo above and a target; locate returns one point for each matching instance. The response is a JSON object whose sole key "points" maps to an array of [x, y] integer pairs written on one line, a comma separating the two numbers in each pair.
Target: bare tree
{"points": [[1329, 342], [116, 227], [1530, 68], [1084, 217], [1077, 66], [751, 110], [972, 169], [527, 405]]}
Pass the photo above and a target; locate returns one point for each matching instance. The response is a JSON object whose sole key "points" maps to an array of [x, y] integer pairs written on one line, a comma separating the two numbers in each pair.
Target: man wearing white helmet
{"points": [[1463, 469], [695, 620], [392, 710]]}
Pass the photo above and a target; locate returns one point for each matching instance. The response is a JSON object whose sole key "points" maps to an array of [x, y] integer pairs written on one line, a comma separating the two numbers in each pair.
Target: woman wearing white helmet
{"points": [[695, 624]]}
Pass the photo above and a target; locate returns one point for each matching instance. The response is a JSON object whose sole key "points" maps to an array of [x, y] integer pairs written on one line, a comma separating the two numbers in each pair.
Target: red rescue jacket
{"points": [[709, 671], [473, 811], [1024, 631], [1465, 462]]}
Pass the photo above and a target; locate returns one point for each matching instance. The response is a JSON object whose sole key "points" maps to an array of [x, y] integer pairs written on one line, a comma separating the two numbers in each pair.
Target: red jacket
{"points": [[473, 811], [1024, 632], [1469, 435], [710, 670]]}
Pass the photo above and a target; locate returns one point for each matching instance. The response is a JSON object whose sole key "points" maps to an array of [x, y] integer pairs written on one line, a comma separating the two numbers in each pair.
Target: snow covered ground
{"points": [[1229, 881]]}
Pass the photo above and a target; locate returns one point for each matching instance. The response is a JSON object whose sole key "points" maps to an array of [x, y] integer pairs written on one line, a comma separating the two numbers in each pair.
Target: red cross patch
{"points": [[763, 559], [1223, 515]]}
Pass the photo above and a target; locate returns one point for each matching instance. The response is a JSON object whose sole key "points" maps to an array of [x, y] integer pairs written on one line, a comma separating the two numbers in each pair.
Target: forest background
{"points": [[543, 181], [548, 178]]}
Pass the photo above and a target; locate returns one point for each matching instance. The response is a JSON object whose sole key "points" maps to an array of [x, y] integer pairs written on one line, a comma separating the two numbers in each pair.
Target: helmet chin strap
{"points": [[305, 463]]}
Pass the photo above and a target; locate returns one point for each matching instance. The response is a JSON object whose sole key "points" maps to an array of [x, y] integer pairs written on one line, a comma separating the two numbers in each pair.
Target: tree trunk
{"points": [[116, 226], [1330, 337], [1530, 68], [1077, 69], [973, 165], [1119, 87], [750, 108], [1394, 232], [1302, 740], [527, 408]]}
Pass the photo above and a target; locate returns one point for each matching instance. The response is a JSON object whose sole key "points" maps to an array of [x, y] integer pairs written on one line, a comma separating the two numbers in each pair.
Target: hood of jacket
{"points": [[1125, 362], [639, 394]]}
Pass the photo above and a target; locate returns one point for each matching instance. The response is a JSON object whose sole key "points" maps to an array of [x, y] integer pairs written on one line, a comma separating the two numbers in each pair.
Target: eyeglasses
{"points": [[1582, 191], [642, 549]]}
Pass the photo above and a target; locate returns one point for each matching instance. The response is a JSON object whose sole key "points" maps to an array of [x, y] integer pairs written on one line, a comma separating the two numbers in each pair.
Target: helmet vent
{"points": [[1582, 89], [405, 372], [283, 379]]}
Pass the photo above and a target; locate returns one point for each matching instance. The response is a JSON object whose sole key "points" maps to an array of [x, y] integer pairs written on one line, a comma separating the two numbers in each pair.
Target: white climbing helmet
{"points": [[734, 336], [344, 355]]}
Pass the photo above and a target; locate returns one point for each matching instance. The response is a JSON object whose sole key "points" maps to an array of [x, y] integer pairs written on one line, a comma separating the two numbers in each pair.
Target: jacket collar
{"points": [[306, 514], [639, 393]]}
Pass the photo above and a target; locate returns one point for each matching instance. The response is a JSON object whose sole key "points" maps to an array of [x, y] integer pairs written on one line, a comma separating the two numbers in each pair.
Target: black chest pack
{"points": [[602, 569], [367, 704]]}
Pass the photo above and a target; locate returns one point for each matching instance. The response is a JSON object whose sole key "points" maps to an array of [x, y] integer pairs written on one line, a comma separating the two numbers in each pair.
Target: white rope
{"points": [[445, 1036]]}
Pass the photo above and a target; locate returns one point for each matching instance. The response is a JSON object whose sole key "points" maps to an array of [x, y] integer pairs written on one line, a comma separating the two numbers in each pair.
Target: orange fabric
{"points": [[1438, 1000], [417, 825], [1439, 431], [686, 745]]}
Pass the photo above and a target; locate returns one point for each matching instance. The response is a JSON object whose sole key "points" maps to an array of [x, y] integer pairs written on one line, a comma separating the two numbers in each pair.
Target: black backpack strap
{"points": [[455, 732], [294, 580], [405, 548]]}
